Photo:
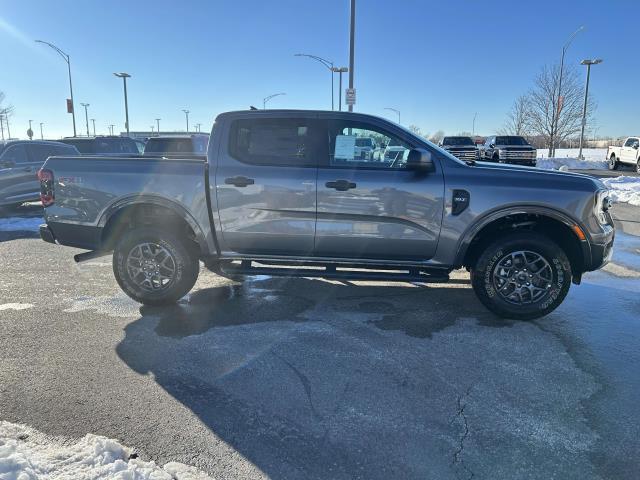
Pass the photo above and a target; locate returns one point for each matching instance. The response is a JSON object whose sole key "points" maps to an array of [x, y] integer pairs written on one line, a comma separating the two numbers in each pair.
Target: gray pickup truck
{"points": [[286, 193]]}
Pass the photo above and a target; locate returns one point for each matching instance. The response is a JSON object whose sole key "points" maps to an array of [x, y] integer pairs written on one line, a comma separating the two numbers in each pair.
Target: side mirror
{"points": [[635, 145], [420, 160], [492, 145]]}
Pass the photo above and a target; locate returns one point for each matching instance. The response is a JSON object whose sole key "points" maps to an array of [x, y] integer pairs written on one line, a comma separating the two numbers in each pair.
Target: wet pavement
{"points": [[291, 378]]}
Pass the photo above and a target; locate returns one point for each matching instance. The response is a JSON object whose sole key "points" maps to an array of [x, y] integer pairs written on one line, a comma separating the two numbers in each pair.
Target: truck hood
{"points": [[540, 174]]}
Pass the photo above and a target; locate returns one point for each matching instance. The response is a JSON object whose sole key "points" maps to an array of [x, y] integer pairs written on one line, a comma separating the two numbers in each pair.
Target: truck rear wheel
{"points": [[522, 276], [154, 267], [613, 163]]}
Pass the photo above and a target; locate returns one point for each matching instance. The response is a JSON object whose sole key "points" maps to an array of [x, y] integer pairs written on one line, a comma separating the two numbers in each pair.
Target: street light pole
{"points": [[30, 132], [93, 120], [352, 47], [588, 63], [68, 60], [473, 128], [111, 129], [340, 71], [86, 116], [394, 110], [326, 63], [152, 127], [158, 124], [186, 114], [266, 99], [41, 134], [124, 76], [558, 106]]}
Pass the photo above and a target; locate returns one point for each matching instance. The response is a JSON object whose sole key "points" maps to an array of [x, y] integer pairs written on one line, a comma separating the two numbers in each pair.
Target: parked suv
{"points": [[177, 145], [463, 148], [509, 149], [281, 191], [19, 163], [103, 145]]}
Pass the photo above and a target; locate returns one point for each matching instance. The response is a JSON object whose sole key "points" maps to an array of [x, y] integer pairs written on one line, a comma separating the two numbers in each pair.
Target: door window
{"points": [[629, 142], [16, 154], [358, 145], [281, 142]]}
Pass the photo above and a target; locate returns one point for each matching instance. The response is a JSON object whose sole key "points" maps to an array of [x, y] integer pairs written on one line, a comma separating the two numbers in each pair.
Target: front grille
{"points": [[465, 154], [521, 154]]}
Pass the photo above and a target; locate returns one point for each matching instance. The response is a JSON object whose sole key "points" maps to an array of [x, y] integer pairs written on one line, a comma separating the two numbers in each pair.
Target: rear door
{"points": [[18, 181], [377, 210], [265, 183]]}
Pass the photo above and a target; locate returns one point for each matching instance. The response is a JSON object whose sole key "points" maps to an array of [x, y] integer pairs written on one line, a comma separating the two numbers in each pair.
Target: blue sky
{"points": [[437, 62]]}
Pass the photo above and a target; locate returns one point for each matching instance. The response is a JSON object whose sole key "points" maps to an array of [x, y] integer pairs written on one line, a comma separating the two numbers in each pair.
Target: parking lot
{"points": [[291, 378]]}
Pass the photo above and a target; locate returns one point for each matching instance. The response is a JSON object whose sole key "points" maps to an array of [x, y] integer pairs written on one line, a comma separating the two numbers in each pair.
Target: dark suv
{"points": [[19, 164], [107, 145], [509, 149], [463, 148]]}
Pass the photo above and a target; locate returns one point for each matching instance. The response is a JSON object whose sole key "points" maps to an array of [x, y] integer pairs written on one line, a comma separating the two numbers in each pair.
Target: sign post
{"points": [[350, 97]]}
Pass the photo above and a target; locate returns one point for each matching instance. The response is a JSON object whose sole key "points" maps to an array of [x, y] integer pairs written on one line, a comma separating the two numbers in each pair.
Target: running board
{"points": [[83, 257], [337, 272]]}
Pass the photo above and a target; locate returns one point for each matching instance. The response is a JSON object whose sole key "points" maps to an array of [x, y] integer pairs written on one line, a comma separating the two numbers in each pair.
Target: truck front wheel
{"points": [[154, 267], [522, 276]]}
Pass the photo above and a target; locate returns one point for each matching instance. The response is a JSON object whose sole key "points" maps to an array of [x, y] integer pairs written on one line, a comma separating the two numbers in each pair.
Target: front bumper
{"points": [[601, 250]]}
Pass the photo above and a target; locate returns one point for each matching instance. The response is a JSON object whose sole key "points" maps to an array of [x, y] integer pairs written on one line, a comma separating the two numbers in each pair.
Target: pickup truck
{"points": [[463, 148], [627, 154], [284, 192], [509, 149]]}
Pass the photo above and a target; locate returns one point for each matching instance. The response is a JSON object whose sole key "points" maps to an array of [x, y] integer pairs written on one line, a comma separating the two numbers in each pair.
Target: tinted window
{"points": [[275, 141], [631, 142], [344, 150], [458, 141], [83, 146], [510, 141], [40, 152], [15, 153], [115, 145], [169, 145]]}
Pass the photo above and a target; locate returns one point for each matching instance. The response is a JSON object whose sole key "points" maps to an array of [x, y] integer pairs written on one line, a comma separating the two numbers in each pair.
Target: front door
{"points": [[629, 151], [373, 206], [18, 182], [266, 185]]}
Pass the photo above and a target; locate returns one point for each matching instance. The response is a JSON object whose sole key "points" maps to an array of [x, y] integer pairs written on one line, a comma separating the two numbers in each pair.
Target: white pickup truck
{"points": [[627, 154]]}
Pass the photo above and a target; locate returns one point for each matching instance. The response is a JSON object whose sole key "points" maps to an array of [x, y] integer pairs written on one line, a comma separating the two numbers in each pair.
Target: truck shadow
{"points": [[282, 370]]}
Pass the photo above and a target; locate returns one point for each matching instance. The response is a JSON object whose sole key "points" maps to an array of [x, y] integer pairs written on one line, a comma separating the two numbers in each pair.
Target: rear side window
{"points": [[15, 153], [282, 142], [115, 145], [40, 152], [170, 145], [83, 146]]}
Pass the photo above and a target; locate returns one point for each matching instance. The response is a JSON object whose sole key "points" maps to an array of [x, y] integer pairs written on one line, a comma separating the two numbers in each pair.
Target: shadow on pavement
{"points": [[12, 217]]}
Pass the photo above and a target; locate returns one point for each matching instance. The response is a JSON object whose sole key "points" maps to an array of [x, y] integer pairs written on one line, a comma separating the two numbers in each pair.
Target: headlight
{"points": [[602, 205], [500, 153]]}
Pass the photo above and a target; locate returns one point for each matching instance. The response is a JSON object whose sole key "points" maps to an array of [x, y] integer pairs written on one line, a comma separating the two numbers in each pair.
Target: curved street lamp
{"points": [[68, 60], [266, 99], [327, 63]]}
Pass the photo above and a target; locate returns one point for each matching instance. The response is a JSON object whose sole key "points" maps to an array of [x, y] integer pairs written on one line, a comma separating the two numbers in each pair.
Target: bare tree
{"points": [[545, 104], [518, 118], [437, 137], [5, 112], [416, 129]]}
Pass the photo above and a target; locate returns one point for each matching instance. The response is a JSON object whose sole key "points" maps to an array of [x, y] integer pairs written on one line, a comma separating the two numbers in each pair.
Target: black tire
{"points": [[638, 166], [183, 262], [491, 263], [613, 163]]}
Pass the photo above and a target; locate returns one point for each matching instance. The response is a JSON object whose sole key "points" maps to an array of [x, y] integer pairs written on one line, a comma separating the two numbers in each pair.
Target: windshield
{"points": [[511, 141], [458, 141]]}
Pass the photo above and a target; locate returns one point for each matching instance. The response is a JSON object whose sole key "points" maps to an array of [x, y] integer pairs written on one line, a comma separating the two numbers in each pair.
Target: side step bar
{"points": [[338, 272], [83, 257]]}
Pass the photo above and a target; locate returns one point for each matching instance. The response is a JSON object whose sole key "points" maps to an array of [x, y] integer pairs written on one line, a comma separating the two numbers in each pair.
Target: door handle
{"points": [[239, 181], [341, 185]]}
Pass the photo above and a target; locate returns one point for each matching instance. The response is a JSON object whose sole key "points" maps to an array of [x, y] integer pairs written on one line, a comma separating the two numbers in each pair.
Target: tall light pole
{"points": [[266, 99], [68, 60], [394, 110], [340, 71], [588, 63], [124, 76], [93, 120], [327, 63], [352, 32], [158, 124], [152, 128], [30, 131], [198, 125], [473, 128], [186, 114], [86, 116], [558, 106], [41, 134], [111, 129]]}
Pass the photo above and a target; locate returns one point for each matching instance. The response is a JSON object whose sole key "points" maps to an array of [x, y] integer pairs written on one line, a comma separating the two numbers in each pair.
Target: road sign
{"points": [[69, 106], [30, 133], [350, 96]]}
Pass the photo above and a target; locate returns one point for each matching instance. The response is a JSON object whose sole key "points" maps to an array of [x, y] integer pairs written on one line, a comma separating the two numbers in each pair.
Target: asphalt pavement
{"points": [[304, 378]]}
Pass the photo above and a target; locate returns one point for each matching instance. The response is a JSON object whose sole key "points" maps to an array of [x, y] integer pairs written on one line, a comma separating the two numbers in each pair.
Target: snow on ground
{"points": [[13, 224], [567, 159], [624, 189], [26, 454]]}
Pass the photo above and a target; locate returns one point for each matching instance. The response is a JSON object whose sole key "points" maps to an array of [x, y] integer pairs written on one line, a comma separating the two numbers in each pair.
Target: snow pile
{"points": [[14, 224], [26, 454], [567, 159], [624, 189]]}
